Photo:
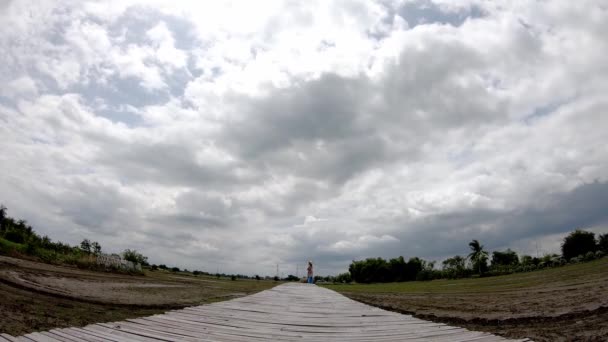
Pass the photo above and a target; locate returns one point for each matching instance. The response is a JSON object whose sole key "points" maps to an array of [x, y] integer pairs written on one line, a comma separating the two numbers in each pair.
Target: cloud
{"points": [[238, 137]]}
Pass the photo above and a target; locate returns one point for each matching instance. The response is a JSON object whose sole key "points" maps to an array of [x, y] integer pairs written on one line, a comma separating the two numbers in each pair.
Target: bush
{"points": [[343, 278], [425, 275], [10, 248], [135, 257], [14, 236], [577, 259], [589, 256], [577, 243], [48, 256]]}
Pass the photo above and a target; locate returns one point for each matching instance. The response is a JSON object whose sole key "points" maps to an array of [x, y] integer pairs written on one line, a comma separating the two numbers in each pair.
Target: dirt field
{"points": [[561, 304], [38, 296]]}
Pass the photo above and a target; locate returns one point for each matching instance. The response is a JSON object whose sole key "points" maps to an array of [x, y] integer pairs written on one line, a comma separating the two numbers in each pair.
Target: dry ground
{"points": [[562, 304], [36, 296]]}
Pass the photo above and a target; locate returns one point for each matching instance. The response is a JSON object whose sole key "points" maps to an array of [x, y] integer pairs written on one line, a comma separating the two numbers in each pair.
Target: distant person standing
{"points": [[309, 269]]}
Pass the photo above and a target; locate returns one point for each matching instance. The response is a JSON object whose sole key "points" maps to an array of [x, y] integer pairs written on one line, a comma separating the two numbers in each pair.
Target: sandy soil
{"points": [[37, 296]]}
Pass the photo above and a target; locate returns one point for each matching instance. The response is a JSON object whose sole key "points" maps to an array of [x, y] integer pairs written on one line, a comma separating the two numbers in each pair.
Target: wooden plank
{"points": [[289, 312], [38, 337], [8, 337], [56, 337], [82, 335]]}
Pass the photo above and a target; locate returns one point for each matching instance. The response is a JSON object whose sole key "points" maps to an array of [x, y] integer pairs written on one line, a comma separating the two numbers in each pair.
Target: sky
{"points": [[233, 136]]}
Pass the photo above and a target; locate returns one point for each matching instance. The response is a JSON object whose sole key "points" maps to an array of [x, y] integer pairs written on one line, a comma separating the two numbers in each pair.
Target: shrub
{"points": [[10, 248], [425, 275], [577, 243], [577, 259], [14, 236]]}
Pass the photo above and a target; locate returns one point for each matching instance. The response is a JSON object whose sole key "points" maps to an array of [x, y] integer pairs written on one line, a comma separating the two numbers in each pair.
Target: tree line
{"points": [[578, 246], [18, 238]]}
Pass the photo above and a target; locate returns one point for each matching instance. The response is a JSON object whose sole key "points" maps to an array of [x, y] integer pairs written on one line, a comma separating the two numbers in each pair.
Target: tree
{"points": [[96, 248], [135, 257], [343, 278], [292, 277], [579, 242], [478, 256], [85, 245], [2, 216], [506, 258], [602, 243], [455, 267], [398, 268]]}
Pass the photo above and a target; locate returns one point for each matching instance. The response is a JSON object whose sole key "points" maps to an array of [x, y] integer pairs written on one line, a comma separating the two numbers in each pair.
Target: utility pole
{"points": [[298, 270], [277, 270]]}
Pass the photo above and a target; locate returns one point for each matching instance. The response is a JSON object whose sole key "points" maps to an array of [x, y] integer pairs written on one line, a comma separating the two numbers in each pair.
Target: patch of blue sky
{"points": [[461, 157], [117, 94], [544, 110], [122, 115], [422, 12], [137, 21], [427, 12]]}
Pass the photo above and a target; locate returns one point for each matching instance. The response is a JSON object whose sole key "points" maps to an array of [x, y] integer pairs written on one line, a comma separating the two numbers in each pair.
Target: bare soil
{"points": [[562, 308], [37, 296]]}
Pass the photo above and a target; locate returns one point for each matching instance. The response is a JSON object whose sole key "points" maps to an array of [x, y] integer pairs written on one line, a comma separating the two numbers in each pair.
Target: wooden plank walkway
{"points": [[289, 312]]}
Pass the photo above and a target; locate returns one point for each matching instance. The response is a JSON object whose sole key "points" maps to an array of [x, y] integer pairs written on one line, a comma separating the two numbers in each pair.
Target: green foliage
{"points": [[378, 270], [602, 243], [506, 258], [478, 257], [10, 248], [135, 257], [85, 245], [343, 278], [95, 248], [455, 267], [175, 269], [17, 239], [15, 236], [578, 243]]}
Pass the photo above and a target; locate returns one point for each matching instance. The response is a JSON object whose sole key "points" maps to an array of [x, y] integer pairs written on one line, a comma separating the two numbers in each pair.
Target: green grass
{"points": [[7, 247], [560, 275]]}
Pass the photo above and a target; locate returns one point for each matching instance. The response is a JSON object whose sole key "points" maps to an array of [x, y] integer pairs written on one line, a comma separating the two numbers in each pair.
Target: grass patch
{"points": [[564, 274]]}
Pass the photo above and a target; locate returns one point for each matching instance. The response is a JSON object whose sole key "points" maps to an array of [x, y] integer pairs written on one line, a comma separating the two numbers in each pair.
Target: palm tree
{"points": [[478, 255]]}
